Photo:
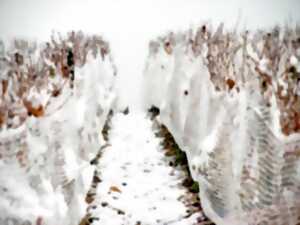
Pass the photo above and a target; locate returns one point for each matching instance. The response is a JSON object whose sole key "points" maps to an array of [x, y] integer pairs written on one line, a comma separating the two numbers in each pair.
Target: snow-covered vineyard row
{"points": [[55, 98], [232, 102]]}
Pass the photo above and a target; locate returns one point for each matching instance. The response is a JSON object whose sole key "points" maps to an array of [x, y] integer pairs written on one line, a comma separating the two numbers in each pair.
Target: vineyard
{"points": [[216, 139]]}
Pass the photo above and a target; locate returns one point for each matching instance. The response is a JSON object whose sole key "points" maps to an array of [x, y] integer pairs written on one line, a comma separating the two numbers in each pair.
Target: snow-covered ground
{"points": [[137, 184]]}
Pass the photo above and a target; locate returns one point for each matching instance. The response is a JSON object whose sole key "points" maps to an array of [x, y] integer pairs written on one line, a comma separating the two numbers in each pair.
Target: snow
{"points": [[135, 163]]}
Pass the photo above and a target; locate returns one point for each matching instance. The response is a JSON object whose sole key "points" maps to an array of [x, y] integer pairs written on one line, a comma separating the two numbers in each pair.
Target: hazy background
{"points": [[129, 24]]}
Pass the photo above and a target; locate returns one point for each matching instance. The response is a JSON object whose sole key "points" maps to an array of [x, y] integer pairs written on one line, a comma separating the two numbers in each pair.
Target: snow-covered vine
{"points": [[54, 101], [232, 102]]}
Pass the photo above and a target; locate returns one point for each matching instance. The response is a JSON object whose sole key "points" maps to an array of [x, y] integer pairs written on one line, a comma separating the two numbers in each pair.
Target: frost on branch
{"points": [[232, 102], [54, 100]]}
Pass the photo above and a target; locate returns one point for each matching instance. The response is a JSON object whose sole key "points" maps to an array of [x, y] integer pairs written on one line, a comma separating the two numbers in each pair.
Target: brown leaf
{"points": [[115, 189], [37, 112], [230, 83]]}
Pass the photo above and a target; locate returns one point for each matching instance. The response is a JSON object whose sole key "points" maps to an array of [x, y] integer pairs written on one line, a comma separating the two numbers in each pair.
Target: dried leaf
{"points": [[230, 83], [37, 112], [115, 189]]}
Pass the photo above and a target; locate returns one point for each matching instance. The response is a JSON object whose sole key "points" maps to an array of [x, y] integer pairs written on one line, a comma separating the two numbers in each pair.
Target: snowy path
{"points": [[137, 184]]}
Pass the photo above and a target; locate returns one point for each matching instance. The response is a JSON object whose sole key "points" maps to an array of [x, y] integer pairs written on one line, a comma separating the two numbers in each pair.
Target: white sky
{"points": [[129, 24]]}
